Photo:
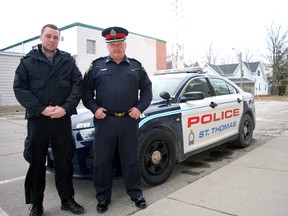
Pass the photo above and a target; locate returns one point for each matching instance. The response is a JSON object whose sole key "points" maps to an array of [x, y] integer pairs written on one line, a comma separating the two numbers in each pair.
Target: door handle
{"points": [[213, 105]]}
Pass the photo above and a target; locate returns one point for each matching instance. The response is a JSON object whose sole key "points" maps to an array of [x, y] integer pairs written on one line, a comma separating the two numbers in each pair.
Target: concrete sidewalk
{"points": [[253, 185]]}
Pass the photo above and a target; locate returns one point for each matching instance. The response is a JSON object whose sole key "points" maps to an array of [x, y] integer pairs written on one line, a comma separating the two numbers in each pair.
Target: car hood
{"points": [[84, 119]]}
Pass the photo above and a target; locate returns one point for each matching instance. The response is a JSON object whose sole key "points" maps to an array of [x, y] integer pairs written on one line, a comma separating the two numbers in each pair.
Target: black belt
{"points": [[115, 114]]}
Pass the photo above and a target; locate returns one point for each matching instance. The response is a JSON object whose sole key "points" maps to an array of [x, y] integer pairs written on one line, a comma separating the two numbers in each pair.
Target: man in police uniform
{"points": [[117, 90]]}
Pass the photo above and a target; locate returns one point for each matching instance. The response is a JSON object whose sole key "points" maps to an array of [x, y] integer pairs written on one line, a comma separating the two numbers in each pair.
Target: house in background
{"points": [[253, 75], [85, 43]]}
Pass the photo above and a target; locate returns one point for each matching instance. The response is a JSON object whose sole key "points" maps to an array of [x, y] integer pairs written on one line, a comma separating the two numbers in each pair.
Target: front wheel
{"points": [[157, 157], [245, 132]]}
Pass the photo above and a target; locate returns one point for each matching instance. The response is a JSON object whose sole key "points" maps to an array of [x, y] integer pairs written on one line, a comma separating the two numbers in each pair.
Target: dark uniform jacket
{"points": [[39, 82], [119, 87]]}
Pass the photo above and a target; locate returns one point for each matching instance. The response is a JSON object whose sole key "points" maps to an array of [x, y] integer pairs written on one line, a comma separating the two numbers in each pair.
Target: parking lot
{"points": [[271, 121]]}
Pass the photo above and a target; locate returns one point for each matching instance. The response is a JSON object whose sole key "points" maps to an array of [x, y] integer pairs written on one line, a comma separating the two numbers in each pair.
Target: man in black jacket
{"points": [[49, 84]]}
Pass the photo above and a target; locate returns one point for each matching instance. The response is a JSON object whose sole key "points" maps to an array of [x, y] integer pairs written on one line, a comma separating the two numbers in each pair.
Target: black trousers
{"points": [[114, 133], [41, 132]]}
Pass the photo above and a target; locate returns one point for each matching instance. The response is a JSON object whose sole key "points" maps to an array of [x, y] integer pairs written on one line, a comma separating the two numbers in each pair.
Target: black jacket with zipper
{"points": [[39, 82]]}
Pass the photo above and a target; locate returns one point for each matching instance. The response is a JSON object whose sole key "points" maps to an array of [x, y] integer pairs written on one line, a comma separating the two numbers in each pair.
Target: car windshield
{"points": [[164, 83]]}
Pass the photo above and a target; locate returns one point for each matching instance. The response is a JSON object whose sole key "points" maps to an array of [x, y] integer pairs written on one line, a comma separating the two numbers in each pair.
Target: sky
{"points": [[193, 24]]}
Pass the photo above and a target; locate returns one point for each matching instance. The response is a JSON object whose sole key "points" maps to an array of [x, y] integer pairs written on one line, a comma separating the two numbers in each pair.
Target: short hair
{"points": [[49, 26]]}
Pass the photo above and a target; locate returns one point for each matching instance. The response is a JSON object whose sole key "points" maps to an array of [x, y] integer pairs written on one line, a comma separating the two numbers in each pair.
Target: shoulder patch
{"points": [[143, 68], [94, 62], [138, 62], [89, 69]]}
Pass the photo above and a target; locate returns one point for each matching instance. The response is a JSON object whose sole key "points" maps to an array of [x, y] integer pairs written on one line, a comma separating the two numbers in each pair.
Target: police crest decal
{"points": [[191, 137]]}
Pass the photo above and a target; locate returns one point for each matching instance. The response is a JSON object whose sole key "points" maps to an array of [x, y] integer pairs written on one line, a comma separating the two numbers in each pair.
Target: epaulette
{"points": [[100, 58], [133, 59]]}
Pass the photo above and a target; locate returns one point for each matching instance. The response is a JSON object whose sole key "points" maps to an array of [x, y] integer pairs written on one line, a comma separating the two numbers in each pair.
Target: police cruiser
{"points": [[191, 112]]}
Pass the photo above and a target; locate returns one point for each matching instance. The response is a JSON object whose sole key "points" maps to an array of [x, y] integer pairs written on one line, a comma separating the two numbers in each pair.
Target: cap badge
{"points": [[113, 33]]}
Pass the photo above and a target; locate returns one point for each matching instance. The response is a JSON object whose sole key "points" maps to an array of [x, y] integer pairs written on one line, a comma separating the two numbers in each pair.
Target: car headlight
{"points": [[87, 134]]}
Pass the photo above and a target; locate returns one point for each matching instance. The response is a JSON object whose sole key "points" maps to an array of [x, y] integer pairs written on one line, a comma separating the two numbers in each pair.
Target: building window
{"points": [[91, 46], [258, 72], [259, 87]]}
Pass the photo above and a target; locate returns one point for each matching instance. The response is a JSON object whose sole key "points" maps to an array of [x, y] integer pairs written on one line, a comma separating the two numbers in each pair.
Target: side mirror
{"points": [[190, 96], [165, 95]]}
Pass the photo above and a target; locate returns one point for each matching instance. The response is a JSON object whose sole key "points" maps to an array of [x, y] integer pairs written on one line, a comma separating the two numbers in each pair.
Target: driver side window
{"points": [[198, 85]]}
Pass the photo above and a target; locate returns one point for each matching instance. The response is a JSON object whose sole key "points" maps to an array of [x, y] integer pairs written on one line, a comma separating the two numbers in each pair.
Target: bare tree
{"points": [[248, 55], [210, 55], [277, 47]]}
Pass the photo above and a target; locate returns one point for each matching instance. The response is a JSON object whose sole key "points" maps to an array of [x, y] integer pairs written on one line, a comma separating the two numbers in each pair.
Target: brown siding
{"points": [[161, 55]]}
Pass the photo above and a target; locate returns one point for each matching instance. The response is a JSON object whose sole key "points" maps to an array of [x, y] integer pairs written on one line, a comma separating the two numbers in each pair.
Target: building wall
{"points": [[161, 55], [8, 64], [144, 50], [83, 58], [68, 41], [261, 84]]}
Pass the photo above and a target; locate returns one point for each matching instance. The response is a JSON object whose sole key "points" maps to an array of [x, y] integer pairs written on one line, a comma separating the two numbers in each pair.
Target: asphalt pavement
{"points": [[253, 185]]}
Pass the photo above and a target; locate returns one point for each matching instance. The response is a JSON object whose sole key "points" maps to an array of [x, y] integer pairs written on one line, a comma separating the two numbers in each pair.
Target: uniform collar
{"points": [[109, 59]]}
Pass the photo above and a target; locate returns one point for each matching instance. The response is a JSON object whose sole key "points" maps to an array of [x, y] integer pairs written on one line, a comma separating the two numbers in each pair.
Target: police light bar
{"points": [[198, 70]]}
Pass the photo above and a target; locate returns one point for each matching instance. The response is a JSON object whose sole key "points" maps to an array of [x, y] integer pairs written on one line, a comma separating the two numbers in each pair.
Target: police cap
{"points": [[115, 33]]}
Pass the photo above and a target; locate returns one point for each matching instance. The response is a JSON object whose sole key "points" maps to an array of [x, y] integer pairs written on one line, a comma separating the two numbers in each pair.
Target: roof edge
{"points": [[70, 26]]}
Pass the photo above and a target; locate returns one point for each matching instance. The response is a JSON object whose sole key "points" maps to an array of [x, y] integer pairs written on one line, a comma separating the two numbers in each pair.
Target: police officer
{"points": [[49, 84], [117, 90]]}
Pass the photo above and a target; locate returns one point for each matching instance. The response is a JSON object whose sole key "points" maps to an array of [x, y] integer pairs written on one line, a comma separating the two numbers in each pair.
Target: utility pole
{"points": [[241, 71], [178, 47]]}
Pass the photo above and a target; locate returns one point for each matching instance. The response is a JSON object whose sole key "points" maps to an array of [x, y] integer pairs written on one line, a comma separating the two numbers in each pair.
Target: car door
{"points": [[211, 119], [228, 109], [195, 134]]}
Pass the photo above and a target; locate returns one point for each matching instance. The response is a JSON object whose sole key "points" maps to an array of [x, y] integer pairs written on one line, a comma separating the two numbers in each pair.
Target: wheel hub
{"points": [[245, 130], [156, 157]]}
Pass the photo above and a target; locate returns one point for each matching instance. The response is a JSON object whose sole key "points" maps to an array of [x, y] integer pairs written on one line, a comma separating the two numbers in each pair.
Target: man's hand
{"points": [[100, 113], [134, 113], [54, 112]]}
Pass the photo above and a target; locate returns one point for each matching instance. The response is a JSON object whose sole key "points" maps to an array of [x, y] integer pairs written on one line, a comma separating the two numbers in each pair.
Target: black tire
{"points": [[157, 157], [245, 132]]}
